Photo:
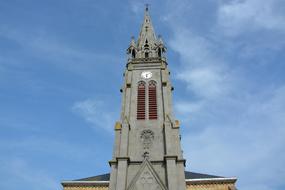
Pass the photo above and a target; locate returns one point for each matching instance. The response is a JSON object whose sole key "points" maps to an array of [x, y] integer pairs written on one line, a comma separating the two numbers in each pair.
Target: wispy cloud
{"points": [[18, 170], [48, 49], [48, 146], [136, 6], [244, 138], [95, 112], [18, 167], [242, 16], [237, 123], [203, 71]]}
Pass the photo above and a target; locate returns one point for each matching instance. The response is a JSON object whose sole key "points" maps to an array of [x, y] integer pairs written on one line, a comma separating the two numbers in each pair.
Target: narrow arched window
{"points": [[141, 101], [133, 54], [152, 101], [159, 52], [146, 54]]}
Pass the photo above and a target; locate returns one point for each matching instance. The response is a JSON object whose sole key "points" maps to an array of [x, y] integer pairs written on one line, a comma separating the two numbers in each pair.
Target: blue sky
{"points": [[61, 65]]}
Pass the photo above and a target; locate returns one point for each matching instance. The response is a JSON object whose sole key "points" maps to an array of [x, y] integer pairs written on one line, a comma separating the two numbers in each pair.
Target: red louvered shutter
{"points": [[141, 101], [152, 102]]}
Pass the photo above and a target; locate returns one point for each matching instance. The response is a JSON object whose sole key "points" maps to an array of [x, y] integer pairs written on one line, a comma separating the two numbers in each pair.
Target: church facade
{"points": [[147, 151]]}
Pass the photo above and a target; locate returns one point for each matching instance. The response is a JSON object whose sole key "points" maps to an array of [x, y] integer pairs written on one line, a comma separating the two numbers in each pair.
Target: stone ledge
{"points": [[211, 180]]}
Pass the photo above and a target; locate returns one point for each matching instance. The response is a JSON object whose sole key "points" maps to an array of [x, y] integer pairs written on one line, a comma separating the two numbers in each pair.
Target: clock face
{"points": [[146, 75]]}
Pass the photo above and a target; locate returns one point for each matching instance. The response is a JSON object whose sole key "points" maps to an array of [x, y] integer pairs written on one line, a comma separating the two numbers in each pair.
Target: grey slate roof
{"points": [[193, 175], [188, 175], [103, 177]]}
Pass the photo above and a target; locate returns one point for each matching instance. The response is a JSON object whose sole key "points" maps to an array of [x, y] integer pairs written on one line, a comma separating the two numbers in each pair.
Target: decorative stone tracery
{"points": [[147, 137]]}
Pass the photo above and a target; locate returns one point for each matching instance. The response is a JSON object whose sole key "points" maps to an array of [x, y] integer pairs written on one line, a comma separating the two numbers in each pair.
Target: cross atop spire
{"points": [[146, 7]]}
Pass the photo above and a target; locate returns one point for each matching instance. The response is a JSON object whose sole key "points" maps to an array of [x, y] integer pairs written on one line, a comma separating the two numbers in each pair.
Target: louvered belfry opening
{"points": [[152, 102], [141, 101]]}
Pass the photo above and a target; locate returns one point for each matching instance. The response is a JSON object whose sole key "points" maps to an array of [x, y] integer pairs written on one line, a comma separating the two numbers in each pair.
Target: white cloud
{"points": [[228, 119], [136, 6], [204, 72], [95, 112], [239, 16], [246, 142], [18, 167], [236, 124], [204, 81], [48, 48], [188, 107], [18, 170], [47, 146]]}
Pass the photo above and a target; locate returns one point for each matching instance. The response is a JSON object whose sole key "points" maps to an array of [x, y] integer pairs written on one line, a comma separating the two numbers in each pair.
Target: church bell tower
{"points": [[147, 152]]}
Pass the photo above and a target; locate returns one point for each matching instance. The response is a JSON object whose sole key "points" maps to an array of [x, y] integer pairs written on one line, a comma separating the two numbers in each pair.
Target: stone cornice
{"points": [[166, 157], [174, 157], [211, 180], [188, 182], [147, 60], [140, 64], [84, 183]]}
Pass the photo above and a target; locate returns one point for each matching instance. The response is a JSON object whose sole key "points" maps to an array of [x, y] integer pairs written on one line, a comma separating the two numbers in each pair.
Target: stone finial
{"points": [[177, 123], [146, 155], [118, 125]]}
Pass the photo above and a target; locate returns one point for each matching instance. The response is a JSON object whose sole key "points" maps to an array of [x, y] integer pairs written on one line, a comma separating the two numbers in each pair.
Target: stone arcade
{"points": [[147, 154]]}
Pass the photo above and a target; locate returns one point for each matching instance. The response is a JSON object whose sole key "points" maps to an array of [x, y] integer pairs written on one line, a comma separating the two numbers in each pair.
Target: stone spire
{"points": [[147, 35], [147, 45]]}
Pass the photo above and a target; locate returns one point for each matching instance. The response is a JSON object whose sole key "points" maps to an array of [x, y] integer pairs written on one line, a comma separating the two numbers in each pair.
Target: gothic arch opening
{"points": [[141, 101], [152, 100], [133, 53], [159, 52], [146, 54]]}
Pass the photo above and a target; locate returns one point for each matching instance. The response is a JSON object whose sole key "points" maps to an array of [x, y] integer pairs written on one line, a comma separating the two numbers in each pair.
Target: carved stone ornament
{"points": [[147, 181], [147, 137]]}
